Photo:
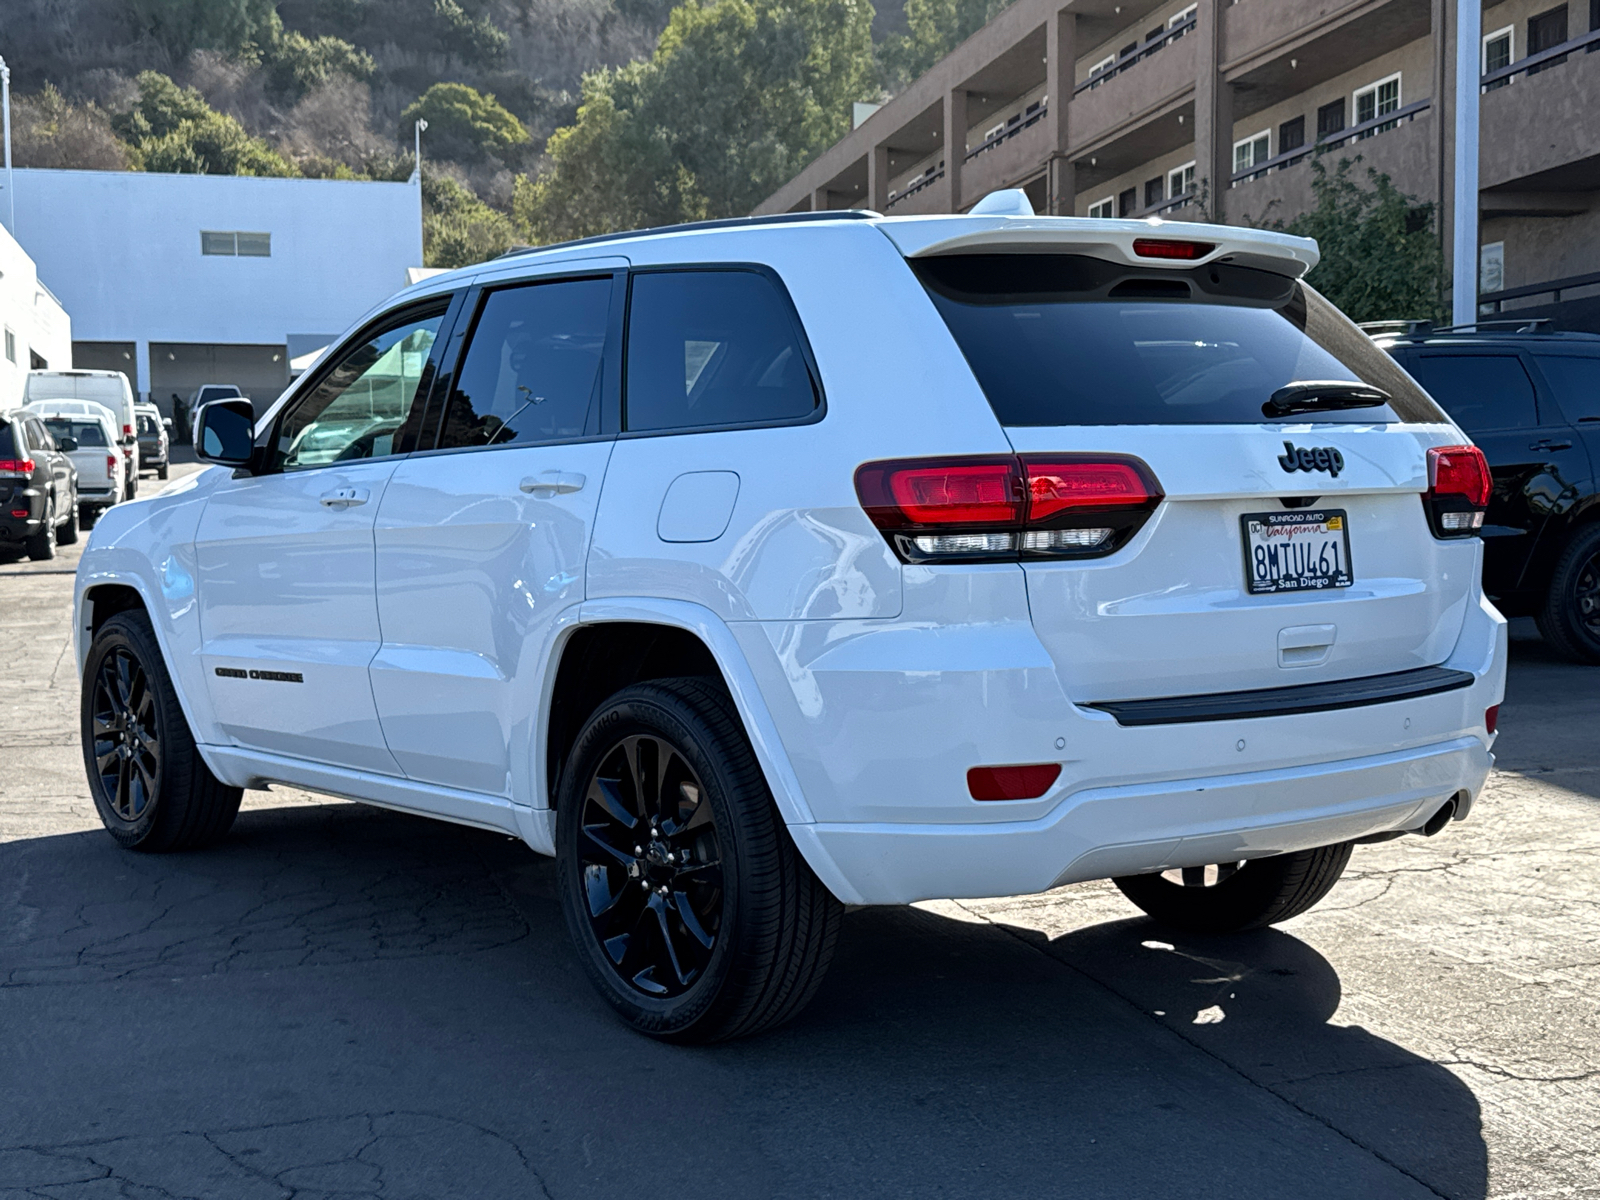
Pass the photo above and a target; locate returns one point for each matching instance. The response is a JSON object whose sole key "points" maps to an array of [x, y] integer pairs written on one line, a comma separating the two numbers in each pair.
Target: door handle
{"points": [[345, 497], [1547, 444], [552, 483]]}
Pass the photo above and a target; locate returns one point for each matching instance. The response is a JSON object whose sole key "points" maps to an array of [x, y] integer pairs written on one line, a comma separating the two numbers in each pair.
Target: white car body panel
{"points": [[431, 618]]}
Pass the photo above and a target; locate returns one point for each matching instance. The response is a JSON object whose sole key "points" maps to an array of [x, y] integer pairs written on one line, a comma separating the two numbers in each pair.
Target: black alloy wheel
{"points": [[127, 736], [1570, 618], [151, 787], [652, 869], [693, 914]]}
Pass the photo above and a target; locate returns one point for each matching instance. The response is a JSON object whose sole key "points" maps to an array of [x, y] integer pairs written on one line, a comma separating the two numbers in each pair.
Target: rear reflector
{"points": [[1012, 783], [1169, 248], [1491, 717], [19, 512]]}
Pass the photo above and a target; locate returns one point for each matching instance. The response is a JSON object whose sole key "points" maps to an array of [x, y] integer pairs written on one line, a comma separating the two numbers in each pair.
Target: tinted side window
{"points": [[37, 437], [713, 348], [8, 442], [1480, 391], [1577, 384], [533, 370], [369, 405]]}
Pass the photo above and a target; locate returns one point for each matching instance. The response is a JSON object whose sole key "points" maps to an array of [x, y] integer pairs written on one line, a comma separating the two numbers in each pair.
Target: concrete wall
{"points": [[122, 250], [35, 319]]}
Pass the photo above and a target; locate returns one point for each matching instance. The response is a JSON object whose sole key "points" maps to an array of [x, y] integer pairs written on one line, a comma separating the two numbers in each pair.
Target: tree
{"points": [[463, 122], [738, 96], [184, 25], [297, 64], [49, 131], [458, 229], [173, 129], [934, 28], [1380, 256]]}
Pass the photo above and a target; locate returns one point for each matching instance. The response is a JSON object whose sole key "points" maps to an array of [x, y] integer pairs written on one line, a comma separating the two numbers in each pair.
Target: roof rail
{"points": [[1375, 327], [843, 214], [1525, 325]]}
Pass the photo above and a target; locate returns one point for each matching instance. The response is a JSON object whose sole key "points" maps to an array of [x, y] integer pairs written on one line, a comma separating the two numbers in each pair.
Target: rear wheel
{"points": [[133, 485], [695, 917], [86, 516], [68, 533], [1570, 618], [42, 545], [161, 471], [150, 785], [1228, 897]]}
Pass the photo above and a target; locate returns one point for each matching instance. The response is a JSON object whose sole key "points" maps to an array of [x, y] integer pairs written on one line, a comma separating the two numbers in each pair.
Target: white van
{"points": [[109, 388]]}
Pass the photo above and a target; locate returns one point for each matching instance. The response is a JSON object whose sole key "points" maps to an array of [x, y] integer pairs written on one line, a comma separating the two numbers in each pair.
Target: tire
{"points": [[1261, 891], [86, 516], [1569, 619], [133, 486], [641, 911], [41, 546], [161, 471], [67, 535], [160, 795]]}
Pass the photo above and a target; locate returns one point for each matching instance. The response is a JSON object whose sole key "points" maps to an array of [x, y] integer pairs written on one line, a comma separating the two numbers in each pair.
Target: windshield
{"points": [[85, 433], [1071, 340]]}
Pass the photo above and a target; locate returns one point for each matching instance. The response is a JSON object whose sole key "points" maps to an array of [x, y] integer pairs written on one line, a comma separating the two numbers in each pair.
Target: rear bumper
{"points": [[1108, 831]]}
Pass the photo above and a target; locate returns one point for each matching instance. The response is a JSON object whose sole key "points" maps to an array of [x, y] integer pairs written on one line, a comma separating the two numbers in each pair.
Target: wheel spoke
{"points": [[104, 760], [646, 773], [607, 794], [658, 906], [124, 790], [592, 833], [124, 681], [691, 921]]}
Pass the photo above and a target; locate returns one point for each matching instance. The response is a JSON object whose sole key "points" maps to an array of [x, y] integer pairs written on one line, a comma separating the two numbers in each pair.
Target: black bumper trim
{"points": [[1287, 701]]}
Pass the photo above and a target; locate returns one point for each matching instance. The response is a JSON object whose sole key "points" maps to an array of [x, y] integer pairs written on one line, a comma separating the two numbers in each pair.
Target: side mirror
{"points": [[167, 421], [66, 444], [225, 432]]}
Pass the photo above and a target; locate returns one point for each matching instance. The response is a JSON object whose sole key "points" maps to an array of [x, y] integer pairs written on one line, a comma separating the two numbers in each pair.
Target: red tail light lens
{"points": [[995, 509], [111, 465], [1170, 248], [1459, 487], [16, 466], [1012, 783], [1491, 717]]}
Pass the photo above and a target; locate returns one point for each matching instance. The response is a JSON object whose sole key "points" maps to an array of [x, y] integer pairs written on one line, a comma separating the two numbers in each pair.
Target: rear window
{"points": [[1065, 339], [8, 441], [85, 433]]}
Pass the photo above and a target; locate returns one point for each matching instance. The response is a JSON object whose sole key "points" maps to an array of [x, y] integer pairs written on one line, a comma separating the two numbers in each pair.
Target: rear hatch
{"points": [[1292, 545]]}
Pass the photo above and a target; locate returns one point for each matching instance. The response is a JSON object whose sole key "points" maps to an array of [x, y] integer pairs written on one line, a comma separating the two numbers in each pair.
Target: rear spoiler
{"points": [[1262, 249]]}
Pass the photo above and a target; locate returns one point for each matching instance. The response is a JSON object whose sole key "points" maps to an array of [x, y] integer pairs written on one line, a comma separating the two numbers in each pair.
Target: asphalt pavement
{"points": [[341, 1001]]}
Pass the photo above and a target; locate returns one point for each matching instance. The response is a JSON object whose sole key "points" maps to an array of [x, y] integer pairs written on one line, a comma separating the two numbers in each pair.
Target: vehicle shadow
{"points": [[341, 1000]]}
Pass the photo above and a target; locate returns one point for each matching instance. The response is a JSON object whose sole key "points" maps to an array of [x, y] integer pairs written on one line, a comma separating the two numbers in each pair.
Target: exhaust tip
{"points": [[1440, 819]]}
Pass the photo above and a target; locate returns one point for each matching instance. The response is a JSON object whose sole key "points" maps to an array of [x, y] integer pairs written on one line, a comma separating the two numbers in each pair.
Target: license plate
{"points": [[1296, 551]]}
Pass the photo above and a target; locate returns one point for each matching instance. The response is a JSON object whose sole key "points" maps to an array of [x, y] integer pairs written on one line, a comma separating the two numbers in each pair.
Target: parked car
{"points": [[96, 457], [757, 568], [153, 441], [107, 388], [38, 487], [91, 409], [1530, 399]]}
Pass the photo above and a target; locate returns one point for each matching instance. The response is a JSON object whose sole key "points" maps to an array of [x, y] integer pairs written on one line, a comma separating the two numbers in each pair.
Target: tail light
{"points": [[1491, 717], [1008, 508], [127, 431], [1459, 486], [111, 466], [16, 466]]}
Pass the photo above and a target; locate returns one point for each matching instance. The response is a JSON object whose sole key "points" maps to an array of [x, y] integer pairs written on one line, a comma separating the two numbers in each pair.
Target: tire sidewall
{"points": [[1583, 548], [654, 712], [123, 633]]}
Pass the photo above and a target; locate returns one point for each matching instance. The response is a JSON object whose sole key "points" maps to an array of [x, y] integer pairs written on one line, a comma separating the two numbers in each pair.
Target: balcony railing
{"points": [[1535, 61], [1136, 56], [927, 179], [1032, 115], [1378, 124], [1491, 301]]}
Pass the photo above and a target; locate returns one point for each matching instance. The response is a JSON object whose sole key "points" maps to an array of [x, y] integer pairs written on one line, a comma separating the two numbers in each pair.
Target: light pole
{"points": [[416, 160], [5, 105], [1464, 264]]}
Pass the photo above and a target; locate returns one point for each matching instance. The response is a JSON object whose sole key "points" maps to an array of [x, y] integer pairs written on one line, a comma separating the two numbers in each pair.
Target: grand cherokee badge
{"points": [[1322, 458]]}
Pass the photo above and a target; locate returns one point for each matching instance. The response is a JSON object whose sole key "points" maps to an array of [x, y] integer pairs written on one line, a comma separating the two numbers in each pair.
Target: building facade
{"points": [[35, 331], [179, 280], [1213, 110]]}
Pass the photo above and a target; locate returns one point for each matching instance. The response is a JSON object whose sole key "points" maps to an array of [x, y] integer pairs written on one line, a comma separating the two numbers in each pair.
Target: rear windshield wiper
{"points": [[1321, 395]]}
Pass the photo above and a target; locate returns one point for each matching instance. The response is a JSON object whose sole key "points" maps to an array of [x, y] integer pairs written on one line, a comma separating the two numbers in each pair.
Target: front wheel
{"points": [[1570, 618], [694, 916], [161, 471], [1229, 897], [150, 785]]}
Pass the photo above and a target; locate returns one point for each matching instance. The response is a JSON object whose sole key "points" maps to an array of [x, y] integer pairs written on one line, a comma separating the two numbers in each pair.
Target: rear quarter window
{"points": [[1065, 339], [1481, 391], [8, 441], [1576, 383]]}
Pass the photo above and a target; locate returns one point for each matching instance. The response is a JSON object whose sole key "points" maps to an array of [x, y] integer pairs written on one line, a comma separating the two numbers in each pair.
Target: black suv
{"points": [[1530, 399], [38, 487]]}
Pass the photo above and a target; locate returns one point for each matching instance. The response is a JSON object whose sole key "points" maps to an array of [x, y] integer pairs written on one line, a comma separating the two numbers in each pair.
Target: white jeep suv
{"points": [[762, 567]]}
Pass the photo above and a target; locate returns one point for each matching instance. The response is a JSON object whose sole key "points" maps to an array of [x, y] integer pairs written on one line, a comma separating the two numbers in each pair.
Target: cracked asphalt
{"points": [[343, 1002]]}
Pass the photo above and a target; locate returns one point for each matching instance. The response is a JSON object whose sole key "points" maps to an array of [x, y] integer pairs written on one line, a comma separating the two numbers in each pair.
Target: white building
{"points": [[35, 330], [180, 280]]}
